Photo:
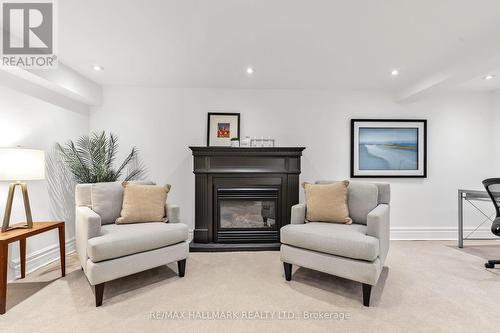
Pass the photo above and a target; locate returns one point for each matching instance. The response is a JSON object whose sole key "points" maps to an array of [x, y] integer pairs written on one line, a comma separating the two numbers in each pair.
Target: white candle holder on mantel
{"points": [[267, 142]]}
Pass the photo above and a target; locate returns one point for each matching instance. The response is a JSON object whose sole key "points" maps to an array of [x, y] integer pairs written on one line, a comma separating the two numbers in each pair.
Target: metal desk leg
{"points": [[460, 220]]}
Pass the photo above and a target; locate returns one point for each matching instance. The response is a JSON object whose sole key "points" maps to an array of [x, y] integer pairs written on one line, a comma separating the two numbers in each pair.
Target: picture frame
{"points": [[221, 128], [388, 148]]}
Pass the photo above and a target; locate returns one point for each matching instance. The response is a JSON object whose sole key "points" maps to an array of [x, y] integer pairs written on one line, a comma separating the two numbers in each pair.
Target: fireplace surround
{"points": [[243, 196]]}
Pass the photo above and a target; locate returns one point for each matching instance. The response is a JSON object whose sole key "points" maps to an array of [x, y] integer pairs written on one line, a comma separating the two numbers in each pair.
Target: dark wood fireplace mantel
{"points": [[220, 171]]}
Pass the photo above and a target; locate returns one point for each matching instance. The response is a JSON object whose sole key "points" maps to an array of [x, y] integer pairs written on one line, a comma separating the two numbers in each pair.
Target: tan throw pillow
{"points": [[143, 203], [327, 202]]}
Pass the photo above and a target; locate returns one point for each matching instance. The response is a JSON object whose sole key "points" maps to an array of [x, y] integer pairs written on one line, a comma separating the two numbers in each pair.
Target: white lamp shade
{"points": [[19, 164]]}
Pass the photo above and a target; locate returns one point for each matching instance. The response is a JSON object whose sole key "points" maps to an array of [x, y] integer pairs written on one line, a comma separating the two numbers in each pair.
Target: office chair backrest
{"points": [[492, 186]]}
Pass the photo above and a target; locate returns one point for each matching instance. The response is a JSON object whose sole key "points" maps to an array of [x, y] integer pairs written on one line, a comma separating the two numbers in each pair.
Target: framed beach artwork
{"points": [[222, 127], [388, 148]]}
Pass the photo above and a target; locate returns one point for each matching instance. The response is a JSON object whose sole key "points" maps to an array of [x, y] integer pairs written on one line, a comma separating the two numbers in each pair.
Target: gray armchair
{"points": [[108, 251], [355, 251]]}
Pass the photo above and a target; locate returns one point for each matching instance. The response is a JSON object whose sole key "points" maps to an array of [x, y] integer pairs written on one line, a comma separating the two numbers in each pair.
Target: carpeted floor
{"points": [[426, 286]]}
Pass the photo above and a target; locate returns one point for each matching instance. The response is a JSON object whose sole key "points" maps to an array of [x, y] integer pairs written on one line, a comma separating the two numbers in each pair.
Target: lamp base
{"points": [[8, 208], [14, 227]]}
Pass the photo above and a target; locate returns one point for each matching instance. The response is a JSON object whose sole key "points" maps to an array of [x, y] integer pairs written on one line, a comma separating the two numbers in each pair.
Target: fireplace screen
{"points": [[243, 214]]}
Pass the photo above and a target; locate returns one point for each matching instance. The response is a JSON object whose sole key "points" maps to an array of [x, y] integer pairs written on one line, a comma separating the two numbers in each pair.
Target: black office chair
{"points": [[492, 186]]}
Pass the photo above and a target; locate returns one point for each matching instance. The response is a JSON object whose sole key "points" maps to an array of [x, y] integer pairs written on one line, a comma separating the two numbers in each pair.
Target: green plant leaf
{"points": [[90, 159]]}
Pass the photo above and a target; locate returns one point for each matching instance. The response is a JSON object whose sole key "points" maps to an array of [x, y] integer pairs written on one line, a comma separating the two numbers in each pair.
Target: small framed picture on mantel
{"points": [[221, 128], [389, 148]]}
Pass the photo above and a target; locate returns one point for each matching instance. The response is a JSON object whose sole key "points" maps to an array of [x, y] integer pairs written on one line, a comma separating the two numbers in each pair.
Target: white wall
{"points": [[162, 123], [496, 124], [32, 123]]}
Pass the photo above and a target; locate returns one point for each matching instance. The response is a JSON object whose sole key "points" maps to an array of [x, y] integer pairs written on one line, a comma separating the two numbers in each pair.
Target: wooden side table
{"points": [[20, 235]]}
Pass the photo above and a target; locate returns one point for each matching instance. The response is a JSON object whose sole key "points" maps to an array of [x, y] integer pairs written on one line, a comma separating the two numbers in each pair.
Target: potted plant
{"points": [[235, 142], [91, 159]]}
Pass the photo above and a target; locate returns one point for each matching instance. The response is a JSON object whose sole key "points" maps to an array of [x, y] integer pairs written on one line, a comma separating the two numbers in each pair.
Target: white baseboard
{"points": [[38, 259], [437, 233]]}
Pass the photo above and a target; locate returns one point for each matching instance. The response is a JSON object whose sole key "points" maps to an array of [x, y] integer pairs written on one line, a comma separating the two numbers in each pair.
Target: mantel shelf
{"points": [[250, 151]]}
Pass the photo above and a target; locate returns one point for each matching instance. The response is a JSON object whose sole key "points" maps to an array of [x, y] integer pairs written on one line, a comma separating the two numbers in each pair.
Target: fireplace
{"points": [[247, 215], [243, 196]]}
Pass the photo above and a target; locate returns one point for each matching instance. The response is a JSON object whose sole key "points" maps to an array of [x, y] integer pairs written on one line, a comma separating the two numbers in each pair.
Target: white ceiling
{"points": [[479, 83], [351, 44]]}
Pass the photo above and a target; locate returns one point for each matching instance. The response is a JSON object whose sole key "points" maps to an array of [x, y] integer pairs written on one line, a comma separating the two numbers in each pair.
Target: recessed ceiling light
{"points": [[250, 70], [395, 72], [98, 68], [489, 77]]}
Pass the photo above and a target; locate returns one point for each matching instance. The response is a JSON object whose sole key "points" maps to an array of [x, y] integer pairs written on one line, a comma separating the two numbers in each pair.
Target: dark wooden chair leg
{"points": [[181, 265], [99, 292], [288, 271], [367, 290]]}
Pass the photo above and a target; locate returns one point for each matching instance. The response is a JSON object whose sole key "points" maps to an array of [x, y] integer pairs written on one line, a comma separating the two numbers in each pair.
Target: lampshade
{"points": [[19, 164]]}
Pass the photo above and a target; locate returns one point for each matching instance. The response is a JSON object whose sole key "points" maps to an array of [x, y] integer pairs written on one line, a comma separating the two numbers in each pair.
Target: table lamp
{"points": [[17, 165]]}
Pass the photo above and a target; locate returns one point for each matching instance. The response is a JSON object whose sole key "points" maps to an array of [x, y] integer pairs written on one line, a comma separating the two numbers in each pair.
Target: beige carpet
{"points": [[426, 286]]}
